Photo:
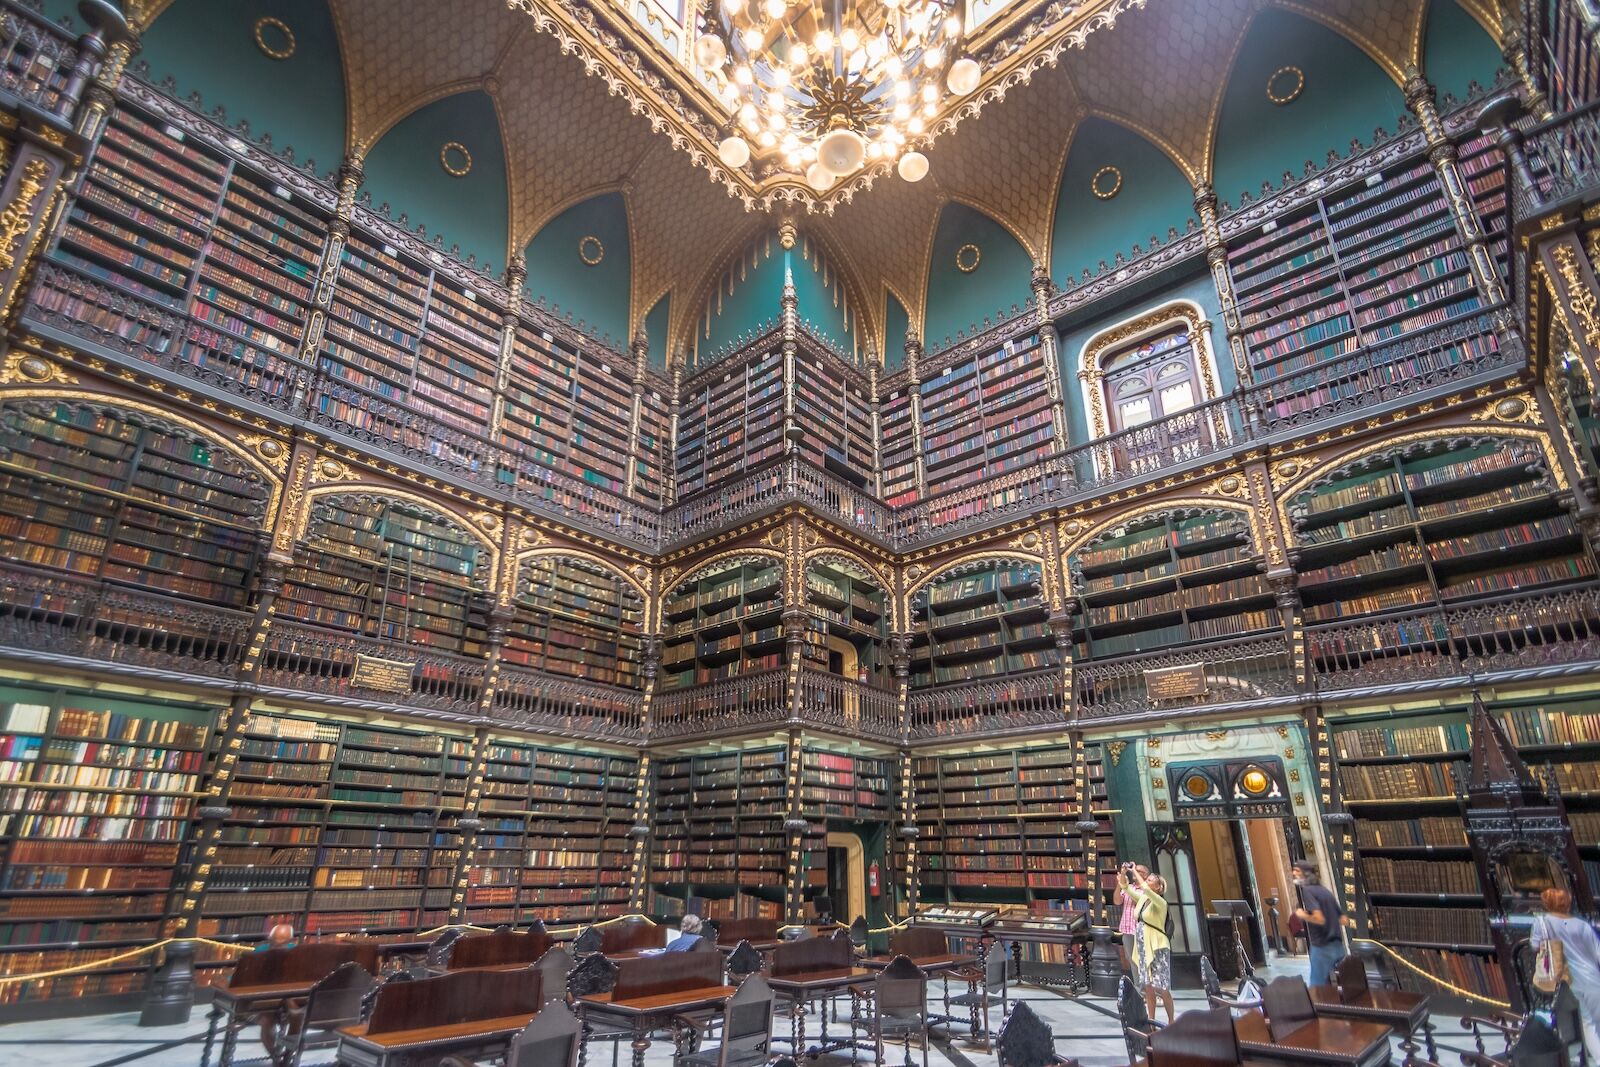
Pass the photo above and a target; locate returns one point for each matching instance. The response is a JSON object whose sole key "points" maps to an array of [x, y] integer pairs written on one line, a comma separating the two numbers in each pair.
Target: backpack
{"points": [[1550, 965]]}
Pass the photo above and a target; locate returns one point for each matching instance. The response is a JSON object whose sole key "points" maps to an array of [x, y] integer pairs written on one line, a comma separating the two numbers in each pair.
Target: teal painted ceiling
{"points": [[556, 157]]}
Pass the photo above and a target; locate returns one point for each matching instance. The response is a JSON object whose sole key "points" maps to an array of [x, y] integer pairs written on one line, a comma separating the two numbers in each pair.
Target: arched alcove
{"points": [[419, 169], [582, 262], [1456, 51], [963, 288]]}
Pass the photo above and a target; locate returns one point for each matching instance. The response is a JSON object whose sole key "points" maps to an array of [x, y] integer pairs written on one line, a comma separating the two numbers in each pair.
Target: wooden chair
{"points": [[587, 941], [746, 1029], [553, 968], [900, 1007], [596, 974], [1196, 1039], [1137, 1027], [985, 984], [743, 960], [1025, 1040], [495, 950], [1527, 1040], [439, 951], [1287, 1005], [553, 1039], [370, 997], [860, 932], [334, 1002]]}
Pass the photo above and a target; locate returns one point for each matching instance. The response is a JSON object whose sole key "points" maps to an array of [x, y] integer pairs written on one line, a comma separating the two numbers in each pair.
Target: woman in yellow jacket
{"points": [[1152, 970]]}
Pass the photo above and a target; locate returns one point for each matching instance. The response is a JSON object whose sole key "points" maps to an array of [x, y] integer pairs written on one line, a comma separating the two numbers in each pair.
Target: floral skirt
{"points": [[1151, 970]]}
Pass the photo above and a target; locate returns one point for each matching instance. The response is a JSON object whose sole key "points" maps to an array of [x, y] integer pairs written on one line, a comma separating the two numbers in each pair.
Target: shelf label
{"points": [[1176, 683], [384, 675]]}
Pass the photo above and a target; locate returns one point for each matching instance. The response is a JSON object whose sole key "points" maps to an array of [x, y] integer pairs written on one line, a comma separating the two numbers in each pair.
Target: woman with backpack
{"points": [[1567, 949], [1152, 960]]}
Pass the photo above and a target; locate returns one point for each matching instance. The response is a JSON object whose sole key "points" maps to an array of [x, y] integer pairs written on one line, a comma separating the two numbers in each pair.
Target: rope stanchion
{"points": [[1435, 979]]}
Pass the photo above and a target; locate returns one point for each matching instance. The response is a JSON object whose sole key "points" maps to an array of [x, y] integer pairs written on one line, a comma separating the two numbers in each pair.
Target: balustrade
{"points": [[532, 701], [1563, 161], [65, 616], [1241, 671], [748, 700], [844, 703], [1012, 702], [36, 60], [315, 660]]}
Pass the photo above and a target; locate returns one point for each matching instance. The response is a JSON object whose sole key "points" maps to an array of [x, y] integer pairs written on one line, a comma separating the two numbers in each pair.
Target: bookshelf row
{"points": [[335, 826], [1403, 778], [1001, 827], [982, 621], [171, 222]]}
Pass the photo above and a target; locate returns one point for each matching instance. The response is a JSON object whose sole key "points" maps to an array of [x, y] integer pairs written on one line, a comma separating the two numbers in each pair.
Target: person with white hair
{"points": [[688, 934]]}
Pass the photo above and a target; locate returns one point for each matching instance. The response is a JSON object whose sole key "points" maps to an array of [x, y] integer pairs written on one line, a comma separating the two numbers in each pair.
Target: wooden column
{"points": [[1043, 288], [640, 349], [669, 494], [1446, 163], [510, 319], [643, 791], [794, 828], [876, 409], [1514, 50], [1205, 206], [914, 392], [790, 320]]}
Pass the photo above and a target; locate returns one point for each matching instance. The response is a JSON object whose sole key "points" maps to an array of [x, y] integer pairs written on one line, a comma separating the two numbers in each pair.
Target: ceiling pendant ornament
{"points": [[590, 250], [822, 91], [1285, 85], [455, 159], [286, 44], [1106, 183], [967, 258]]}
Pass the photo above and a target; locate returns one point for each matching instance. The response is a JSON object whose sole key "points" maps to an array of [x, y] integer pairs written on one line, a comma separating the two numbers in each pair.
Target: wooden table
{"points": [[648, 1013], [1405, 1013], [243, 1004], [396, 1047], [801, 989], [1330, 1042]]}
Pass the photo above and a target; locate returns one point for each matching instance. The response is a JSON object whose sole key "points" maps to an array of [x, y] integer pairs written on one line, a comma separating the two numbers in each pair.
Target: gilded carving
{"points": [[1114, 750], [1511, 409], [1578, 297], [328, 469], [25, 367], [271, 450], [1231, 486], [292, 514], [18, 215]]}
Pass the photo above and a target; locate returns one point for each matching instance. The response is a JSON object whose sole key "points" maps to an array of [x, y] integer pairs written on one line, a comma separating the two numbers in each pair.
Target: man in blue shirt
{"points": [[1319, 910], [688, 934]]}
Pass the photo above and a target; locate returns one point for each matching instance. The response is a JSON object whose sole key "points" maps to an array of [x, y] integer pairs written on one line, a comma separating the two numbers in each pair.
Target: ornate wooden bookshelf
{"points": [[834, 416], [983, 621], [96, 814], [723, 623], [849, 621], [730, 421], [576, 618], [1170, 579]]}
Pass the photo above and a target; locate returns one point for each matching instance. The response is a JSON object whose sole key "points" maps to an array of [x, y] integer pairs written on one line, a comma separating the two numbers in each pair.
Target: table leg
{"points": [[641, 1040], [1427, 1038], [211, 1035], [797, 1024], [827, 1002], [230, 1040]]}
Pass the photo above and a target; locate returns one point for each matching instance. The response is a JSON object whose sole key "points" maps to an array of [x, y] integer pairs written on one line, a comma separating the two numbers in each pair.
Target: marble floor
{"points": [[1086, 1028]]}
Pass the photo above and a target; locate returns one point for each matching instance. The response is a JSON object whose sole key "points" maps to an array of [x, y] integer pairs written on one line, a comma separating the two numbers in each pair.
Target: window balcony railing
{"points": [[754, 699], [36, 60]]}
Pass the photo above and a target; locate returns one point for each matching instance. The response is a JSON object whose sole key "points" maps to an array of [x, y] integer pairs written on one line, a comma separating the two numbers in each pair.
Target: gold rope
{"points": [[145, 950], [1435, 979]]}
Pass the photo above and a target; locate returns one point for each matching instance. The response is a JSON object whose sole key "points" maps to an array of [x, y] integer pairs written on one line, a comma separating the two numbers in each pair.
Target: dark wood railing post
{"points": [[919, 462], [46, 146], [1043, 288], [1205, 206], [643, 793]]}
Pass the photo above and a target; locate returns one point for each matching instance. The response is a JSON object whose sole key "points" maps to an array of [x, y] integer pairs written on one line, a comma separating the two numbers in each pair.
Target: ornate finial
{"points": [[786, 234]]}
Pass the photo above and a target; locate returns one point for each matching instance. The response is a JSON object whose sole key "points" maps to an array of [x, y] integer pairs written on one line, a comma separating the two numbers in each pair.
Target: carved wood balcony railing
{"points": [[731, 703], [849, 705], [36, 60], [1553, 633], [785, 480], [1563, 157], [570, 706], [58, 615], [312, 659], [1018, 701], [1238, 671]]}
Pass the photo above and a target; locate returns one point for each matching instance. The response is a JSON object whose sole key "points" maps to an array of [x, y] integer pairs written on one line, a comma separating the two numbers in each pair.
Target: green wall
{"points": [[897, 323], [1346, 96], [758, 297], [1456, 51], [959, 301], [655, 329], [1154, 196], [403, 170], [1075, 333], [209, 47], [597, 294]]}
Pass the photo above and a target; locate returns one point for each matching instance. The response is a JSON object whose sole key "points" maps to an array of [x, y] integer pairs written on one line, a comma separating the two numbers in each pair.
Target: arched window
{"points": [[1151, 379]]}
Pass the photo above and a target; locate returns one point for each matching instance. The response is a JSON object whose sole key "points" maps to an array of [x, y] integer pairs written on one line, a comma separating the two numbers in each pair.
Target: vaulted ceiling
{"points": [[581, 114]]}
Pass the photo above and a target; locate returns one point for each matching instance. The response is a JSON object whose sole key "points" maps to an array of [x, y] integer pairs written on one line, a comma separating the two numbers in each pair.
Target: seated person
{"points": [[688, 933], [280, 936]]}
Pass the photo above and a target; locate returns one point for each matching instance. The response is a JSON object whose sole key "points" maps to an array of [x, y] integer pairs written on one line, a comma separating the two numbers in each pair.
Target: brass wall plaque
{"points": [[385, 675], [1176, 683]]}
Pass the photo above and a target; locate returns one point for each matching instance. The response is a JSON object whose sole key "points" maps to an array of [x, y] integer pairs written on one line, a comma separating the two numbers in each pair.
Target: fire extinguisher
{"points": [[874, 884]]}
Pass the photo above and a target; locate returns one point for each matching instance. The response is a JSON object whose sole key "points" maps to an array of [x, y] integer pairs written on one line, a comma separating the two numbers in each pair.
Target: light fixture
{"points": [[845, 74]]}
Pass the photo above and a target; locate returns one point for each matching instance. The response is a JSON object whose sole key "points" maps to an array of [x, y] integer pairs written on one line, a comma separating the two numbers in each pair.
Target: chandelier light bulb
{"points": [[849, 39], [964, 76], [952, 26], [878, 48], [732, 8], [767, 139], [709, 51], [913, 166], [743, 76], [798, 55], [842, 151], [902, 111], [823, 41], [775, 8], [819, 177], [933, 58], [733, 152], [915, 125], [930, 93], [780, 78], [752, 39]]}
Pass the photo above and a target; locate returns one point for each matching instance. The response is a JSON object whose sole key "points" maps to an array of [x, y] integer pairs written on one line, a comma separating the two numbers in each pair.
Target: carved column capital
{"points": [[900, 655], [516, 274]]}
